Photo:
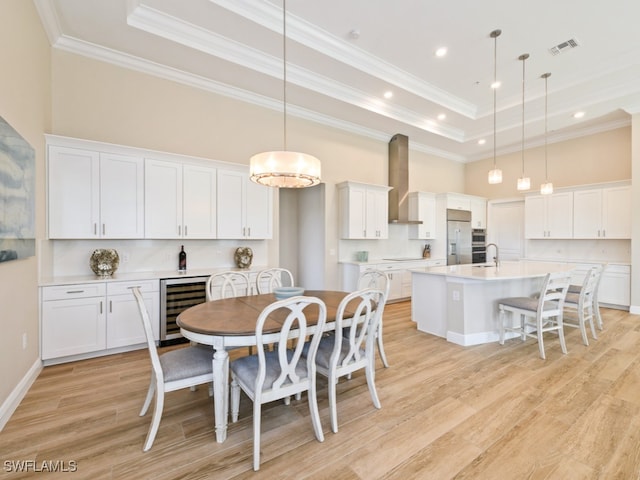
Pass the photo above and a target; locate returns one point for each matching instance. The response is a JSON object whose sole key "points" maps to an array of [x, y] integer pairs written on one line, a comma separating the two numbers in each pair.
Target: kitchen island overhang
{"points": [[460, 302]]}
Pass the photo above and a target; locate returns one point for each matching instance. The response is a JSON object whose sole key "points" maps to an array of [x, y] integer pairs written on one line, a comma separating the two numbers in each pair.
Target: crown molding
{"points": [[176, 30], [49, 19], [270, 16]]}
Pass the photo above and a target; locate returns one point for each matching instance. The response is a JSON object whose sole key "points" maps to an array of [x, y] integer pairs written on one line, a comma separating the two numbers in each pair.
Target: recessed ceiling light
{"points": [[441, 52], [442, 116], [496, 84], [482, 141], [578, 115], [354, 34], [388, 94]]}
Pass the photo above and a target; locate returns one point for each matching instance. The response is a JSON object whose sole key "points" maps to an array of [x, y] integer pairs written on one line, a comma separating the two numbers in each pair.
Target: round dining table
{"points": [[231, 322]]}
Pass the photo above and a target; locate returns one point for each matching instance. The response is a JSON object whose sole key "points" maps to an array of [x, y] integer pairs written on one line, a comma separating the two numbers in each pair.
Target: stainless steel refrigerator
{"points": [[458, 237]]}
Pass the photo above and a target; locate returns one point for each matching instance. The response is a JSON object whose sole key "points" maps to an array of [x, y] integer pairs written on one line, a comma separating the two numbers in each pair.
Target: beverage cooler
{"points": [[176, 295]]}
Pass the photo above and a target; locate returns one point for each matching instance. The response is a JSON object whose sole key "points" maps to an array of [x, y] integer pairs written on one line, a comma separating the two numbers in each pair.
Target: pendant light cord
{"points": [[523, 57], [546, 95], [495, 87], [284, 74]]}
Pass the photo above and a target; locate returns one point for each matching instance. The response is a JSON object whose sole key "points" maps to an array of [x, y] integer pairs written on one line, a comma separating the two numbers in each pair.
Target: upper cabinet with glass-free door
{"points": [[364, 210], [602, 213], [180, 200], [94, 194], [245, 209], [549, 216]]}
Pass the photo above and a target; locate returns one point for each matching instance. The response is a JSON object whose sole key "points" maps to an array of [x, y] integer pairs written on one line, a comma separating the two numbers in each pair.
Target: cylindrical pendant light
{"points": [[524, 183], [283, 168], [495, 174], [547, 187]]}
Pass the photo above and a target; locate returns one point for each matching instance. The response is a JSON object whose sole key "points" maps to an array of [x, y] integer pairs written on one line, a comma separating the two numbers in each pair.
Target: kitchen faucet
{"points": [[497, 257]]}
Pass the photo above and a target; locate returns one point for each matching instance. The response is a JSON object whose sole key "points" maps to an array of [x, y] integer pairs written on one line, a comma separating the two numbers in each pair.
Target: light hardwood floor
{"points": [[484, 412]]}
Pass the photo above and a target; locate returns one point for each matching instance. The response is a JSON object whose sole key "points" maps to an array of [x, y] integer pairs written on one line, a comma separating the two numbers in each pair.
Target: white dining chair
{"points": [[582, 305], [283, 372], [380, 280], [173, 370], [351, 346], [271, 278], [596, 304], [539, 314], [227, 285]]}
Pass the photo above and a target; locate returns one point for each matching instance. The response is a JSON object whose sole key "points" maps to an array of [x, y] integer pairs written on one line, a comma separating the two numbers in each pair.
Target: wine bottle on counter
{"points": [[182, 260]]}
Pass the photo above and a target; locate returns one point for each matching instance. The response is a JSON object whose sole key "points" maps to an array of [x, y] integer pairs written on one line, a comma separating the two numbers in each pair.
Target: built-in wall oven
{"points": [[478, 245], [176, 295]]}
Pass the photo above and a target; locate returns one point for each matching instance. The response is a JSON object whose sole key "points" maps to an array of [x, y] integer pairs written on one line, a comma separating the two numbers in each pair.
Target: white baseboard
{"points": [[634, 309], [15, 397], [477, 338]]}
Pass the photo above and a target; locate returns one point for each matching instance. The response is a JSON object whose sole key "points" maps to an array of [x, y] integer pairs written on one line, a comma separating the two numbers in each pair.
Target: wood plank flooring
{"points": [[483, 412]]}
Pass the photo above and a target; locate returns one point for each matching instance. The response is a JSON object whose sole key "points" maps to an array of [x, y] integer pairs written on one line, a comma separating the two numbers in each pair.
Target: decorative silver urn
{"points": [[243, 257], [104, 262]]}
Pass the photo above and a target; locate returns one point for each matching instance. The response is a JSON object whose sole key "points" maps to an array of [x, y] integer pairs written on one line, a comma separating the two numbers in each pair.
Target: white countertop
{"points": [[398, 260], [506, 271], [136, 276]]}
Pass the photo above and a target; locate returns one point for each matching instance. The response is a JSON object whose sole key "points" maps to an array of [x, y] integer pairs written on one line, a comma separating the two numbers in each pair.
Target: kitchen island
{"points": [[460, 302]]}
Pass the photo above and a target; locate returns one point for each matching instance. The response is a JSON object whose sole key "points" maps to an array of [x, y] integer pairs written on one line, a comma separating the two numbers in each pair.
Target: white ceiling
{"points": [[235, 48]]}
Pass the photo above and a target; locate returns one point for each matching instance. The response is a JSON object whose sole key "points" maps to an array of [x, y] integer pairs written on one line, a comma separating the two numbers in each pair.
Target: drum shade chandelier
{"points": [[524, 183], [284, 169], [547, 187], [495, 175]]}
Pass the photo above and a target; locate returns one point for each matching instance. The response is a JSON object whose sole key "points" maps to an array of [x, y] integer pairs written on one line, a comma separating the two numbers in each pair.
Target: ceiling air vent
{"points": [[564, 46]]}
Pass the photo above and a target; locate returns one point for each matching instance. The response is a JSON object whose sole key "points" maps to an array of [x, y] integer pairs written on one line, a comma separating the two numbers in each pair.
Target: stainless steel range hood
{"points": [[399, 180]]}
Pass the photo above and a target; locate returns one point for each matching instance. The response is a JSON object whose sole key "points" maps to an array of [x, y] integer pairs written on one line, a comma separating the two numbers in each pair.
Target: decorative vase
{"points": [[104, 262], [243, 257]]}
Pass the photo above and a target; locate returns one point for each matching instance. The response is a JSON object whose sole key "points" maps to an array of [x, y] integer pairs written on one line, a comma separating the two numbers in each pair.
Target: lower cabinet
{"points": [[73, 320], [615, 286], [85, 319], [124, 326], [399, 273]]}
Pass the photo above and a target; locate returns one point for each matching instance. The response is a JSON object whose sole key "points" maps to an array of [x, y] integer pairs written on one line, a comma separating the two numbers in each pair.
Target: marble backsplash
{"points": [[71, 257]]}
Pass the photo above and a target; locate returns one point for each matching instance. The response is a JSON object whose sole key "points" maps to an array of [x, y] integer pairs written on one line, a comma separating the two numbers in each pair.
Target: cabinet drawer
{"points": [[63, 292], [124, 288]]}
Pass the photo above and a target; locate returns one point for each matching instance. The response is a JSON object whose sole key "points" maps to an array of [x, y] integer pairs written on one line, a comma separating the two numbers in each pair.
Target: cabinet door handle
{"points": [[179, 230], [604, 233], [103, 229], [110, 306], [95, 229], [101, 306], [134, 286], [249, 230], [75, 291], [185, 231]]}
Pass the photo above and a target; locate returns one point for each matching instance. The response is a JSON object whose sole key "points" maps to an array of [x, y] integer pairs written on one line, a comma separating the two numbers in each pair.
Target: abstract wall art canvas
{"points": [[17, 195]]}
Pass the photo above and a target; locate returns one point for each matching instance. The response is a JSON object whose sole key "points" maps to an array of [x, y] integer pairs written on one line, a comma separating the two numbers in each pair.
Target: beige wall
{"points": [[99, 101], [24, 104], [603, 157]]}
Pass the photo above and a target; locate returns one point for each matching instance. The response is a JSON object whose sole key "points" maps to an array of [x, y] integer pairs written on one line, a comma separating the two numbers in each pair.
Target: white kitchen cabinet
{"points": [[94, 194], [124, 325], [180, 200], [399, 274], [548, 216], [245, 209], [602, 213], [73, 320], [478, 212], [395, 273], [364, 210], [615, 286], [422, 207], [94, 317]]}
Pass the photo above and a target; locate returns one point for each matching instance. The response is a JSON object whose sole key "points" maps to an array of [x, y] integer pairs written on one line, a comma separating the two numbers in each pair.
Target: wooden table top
{"points": [[238, 315]]}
